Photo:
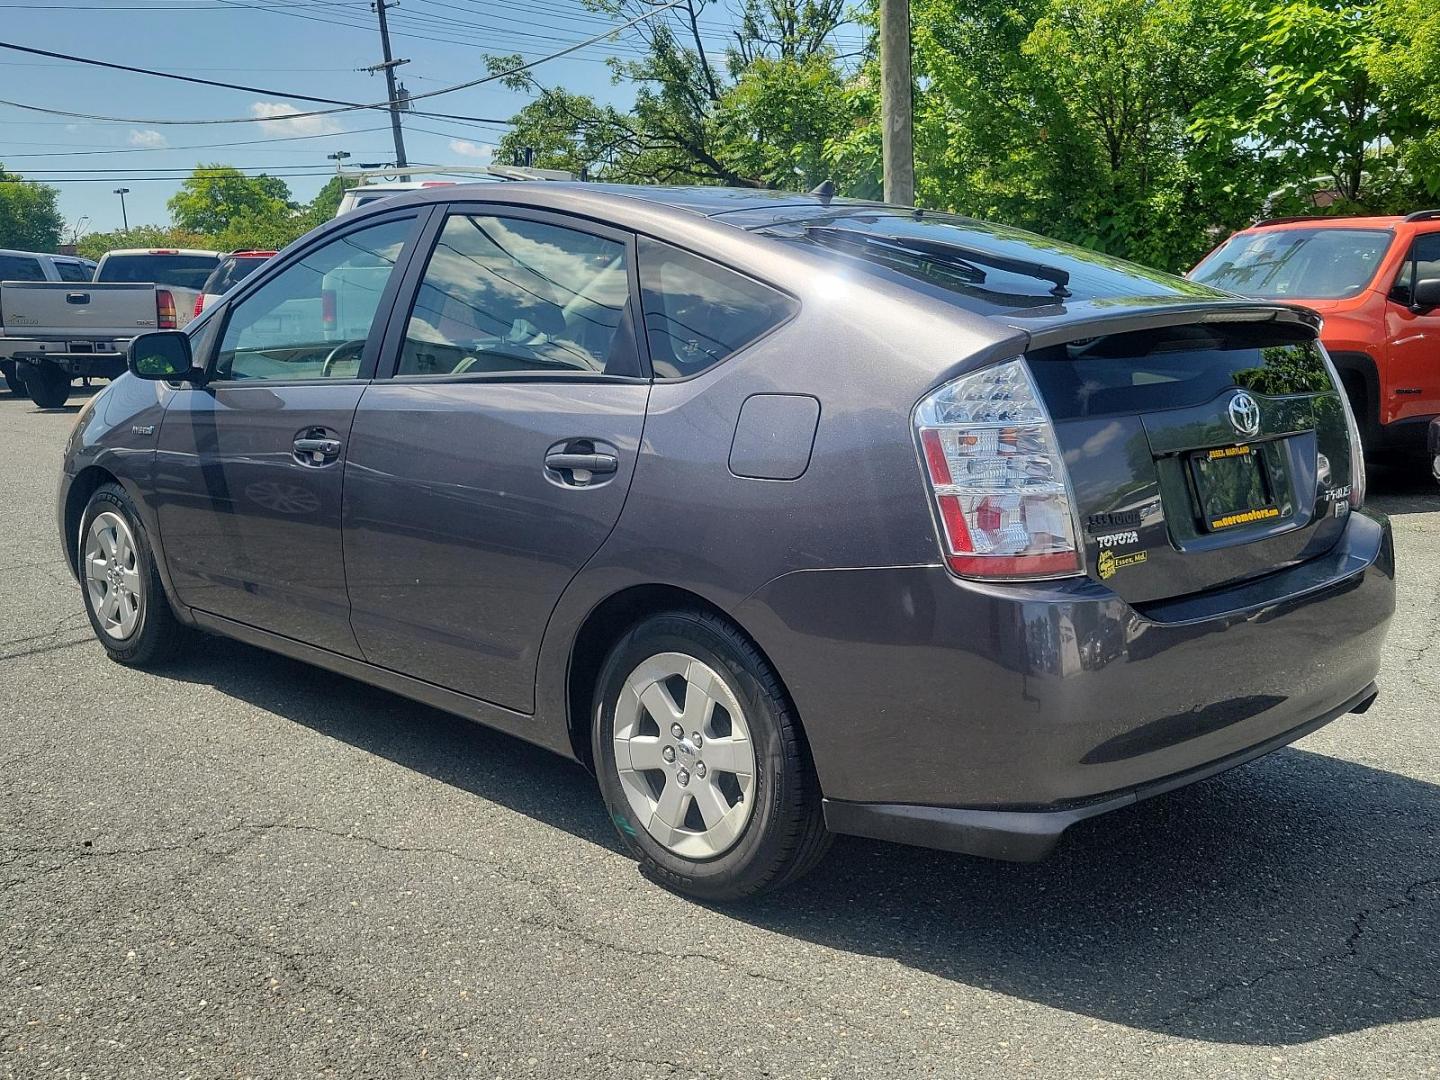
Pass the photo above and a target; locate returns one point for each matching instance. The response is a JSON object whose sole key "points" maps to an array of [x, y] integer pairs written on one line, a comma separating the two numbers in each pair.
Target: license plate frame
{"points": [[1233, 487]]}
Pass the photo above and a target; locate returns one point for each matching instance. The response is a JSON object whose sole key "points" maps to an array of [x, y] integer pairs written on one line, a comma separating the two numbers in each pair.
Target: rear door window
{"points": [[72, 271], [698, 313], [507, 294], [20, 268]]}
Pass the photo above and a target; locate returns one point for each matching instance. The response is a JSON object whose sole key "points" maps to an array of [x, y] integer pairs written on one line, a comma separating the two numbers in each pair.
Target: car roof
{"points": [[1358, 221], [161, 251], [704, 201]]}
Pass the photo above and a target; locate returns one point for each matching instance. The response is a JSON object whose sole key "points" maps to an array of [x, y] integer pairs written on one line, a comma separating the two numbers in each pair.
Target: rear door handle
{"points": [[591, 463]]}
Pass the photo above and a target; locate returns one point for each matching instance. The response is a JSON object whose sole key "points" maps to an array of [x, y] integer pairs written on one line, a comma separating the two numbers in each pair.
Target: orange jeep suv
{"points": [[1376, 282]]}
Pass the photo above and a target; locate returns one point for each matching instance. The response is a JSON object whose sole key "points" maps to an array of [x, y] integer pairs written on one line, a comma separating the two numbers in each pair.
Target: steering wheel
{"points": [[338, 353]]}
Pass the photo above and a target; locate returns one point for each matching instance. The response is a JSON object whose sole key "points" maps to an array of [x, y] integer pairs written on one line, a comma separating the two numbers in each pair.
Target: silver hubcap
{"points": [[112, 575], [686, 760]]}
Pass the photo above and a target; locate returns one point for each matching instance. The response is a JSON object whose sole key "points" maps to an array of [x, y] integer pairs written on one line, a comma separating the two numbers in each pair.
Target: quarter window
{"points": [[311, 321], [697, 312], [513, 295]]}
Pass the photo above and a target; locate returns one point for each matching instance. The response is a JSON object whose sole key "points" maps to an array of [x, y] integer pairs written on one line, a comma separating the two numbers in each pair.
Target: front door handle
{"points": [[316, 449], [591, 463]]}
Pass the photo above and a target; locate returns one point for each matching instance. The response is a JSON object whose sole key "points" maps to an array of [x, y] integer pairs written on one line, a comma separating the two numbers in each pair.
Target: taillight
{"points": [[164, 309], [1357, 449], [1002, 502], [199, 303], [327, 308]]}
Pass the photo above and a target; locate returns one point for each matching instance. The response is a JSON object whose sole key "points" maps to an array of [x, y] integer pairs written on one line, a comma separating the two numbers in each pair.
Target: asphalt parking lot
{"points": [[246, 867]]}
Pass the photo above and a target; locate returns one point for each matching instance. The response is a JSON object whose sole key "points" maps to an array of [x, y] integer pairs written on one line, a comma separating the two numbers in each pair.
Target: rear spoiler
{"points": [[1057, 324]]}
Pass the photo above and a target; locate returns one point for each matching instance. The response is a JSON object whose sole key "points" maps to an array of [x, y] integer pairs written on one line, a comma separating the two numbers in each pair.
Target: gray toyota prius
{"points": [[787, 515]]}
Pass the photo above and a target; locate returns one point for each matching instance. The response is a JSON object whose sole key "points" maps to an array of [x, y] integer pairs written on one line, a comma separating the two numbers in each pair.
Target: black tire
{"points": [[47, 385], [12, 379], [158, 637], [785, 834]]}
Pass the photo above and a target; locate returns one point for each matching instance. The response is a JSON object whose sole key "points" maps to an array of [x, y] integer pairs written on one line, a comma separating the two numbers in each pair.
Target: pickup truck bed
{"points": [[55, 331]]}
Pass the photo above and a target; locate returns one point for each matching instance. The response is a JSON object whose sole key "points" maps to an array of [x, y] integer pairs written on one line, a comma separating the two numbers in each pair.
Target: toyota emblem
{"points": [[1245, 414]]}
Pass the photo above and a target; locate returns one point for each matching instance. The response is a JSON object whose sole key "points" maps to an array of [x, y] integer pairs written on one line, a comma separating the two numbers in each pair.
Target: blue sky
{"points": [[306, 46]]}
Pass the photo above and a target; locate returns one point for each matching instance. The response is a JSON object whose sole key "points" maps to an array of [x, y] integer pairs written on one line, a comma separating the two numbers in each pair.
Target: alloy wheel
{"points": [[685, 756], [112, 575]]}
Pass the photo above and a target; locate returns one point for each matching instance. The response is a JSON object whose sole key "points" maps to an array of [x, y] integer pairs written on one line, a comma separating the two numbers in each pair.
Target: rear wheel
{"points": [[12, 379], [701, 760], [124, 598], [47, 385]]}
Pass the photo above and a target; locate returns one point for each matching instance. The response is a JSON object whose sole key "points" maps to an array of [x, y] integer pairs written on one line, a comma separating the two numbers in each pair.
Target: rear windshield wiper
{"points": [[954, 256]]}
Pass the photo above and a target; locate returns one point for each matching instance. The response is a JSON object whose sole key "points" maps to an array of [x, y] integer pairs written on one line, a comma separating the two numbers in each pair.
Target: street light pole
{"points": [[338, 157], [124, 218], [897, 131]]}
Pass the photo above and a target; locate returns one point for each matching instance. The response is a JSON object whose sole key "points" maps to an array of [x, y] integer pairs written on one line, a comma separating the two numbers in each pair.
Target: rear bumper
{"points": [[105, 364], [935, 700], [1030, 835]]}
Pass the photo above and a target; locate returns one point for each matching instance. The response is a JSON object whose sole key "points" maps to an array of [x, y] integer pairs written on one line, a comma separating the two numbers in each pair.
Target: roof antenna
{"points": [[824, 191]]}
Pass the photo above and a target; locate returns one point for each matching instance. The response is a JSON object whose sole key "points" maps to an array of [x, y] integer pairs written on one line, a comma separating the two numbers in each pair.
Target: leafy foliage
{"points": [[218, 197], [29, 217]]}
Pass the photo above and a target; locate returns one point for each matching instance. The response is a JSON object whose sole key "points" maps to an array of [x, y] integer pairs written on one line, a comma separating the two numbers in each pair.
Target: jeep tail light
{"points": [[1001, 497], [164, 309], [1357, 449], [199, 304]]}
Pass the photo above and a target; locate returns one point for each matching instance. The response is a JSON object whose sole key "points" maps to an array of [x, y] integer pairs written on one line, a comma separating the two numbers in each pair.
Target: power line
{"points": [[494, 77]]}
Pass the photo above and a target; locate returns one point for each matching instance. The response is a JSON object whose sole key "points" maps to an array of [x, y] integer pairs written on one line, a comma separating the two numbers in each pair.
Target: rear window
{"points": [[230, 273], [72, 271], [180, 271], [1176, 367], [698, 313], [20, 268], [1297, 264], [987, 268]]}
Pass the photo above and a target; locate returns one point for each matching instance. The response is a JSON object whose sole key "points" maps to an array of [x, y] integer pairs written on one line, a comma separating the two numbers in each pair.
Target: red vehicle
{"points": [[1376, 282]]}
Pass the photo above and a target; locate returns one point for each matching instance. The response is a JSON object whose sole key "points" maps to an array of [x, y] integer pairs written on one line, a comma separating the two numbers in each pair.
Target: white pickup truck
{"points": [[53, 332]]}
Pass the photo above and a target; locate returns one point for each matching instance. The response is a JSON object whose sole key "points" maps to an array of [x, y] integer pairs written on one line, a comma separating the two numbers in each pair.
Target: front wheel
{"points": [[701, 760], [47, 385], [123, 595]]}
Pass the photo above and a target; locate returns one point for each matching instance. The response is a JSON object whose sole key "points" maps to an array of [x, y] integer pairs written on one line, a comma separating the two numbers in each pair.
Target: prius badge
{"points": [[1245, 414]]}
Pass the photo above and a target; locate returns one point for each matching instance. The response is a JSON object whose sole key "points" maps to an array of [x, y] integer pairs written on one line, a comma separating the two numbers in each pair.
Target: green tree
{"points": [[760, 115], [1402, 59], [29, 216], [93, 245], [216, 197]]}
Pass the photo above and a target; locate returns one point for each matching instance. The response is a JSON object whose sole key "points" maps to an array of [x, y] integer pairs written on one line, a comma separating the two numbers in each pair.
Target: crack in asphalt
{"points": [[1359, 923]]}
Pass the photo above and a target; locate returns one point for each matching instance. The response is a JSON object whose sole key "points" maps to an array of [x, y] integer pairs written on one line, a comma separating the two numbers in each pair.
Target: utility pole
{"points": [[897, 131], [392, 94], [124, 218]]}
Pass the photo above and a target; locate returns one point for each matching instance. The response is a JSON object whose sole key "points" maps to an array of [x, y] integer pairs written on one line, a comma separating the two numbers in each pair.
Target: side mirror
{"points": [[165, 356], [1426, 294]]}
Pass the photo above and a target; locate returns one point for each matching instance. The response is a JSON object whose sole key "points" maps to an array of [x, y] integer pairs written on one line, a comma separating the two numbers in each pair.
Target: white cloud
{"points": [[275, 122], [466, 148], [148, 139]]}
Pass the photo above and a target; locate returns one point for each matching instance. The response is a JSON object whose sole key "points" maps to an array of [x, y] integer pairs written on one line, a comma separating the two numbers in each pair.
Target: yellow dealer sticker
{"points": [[1246, 517], [1108, 562], [1228, 451]]}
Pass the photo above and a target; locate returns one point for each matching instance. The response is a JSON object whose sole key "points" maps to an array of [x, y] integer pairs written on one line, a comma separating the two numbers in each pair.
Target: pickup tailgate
{"points": [[1201, 453], [79, 310]]}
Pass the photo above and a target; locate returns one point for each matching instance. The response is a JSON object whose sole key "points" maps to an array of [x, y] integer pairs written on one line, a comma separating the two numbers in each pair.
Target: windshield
{"points": [[1296, 264], [181, 271]]}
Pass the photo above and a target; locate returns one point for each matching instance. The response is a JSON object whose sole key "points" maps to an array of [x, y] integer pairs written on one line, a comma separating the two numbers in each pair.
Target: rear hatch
{"points": [[1201, 452]]}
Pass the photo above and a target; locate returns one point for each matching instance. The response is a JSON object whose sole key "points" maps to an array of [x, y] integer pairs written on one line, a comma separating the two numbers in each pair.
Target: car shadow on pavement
{"points": [[1401, 488], [1288, 900]]}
